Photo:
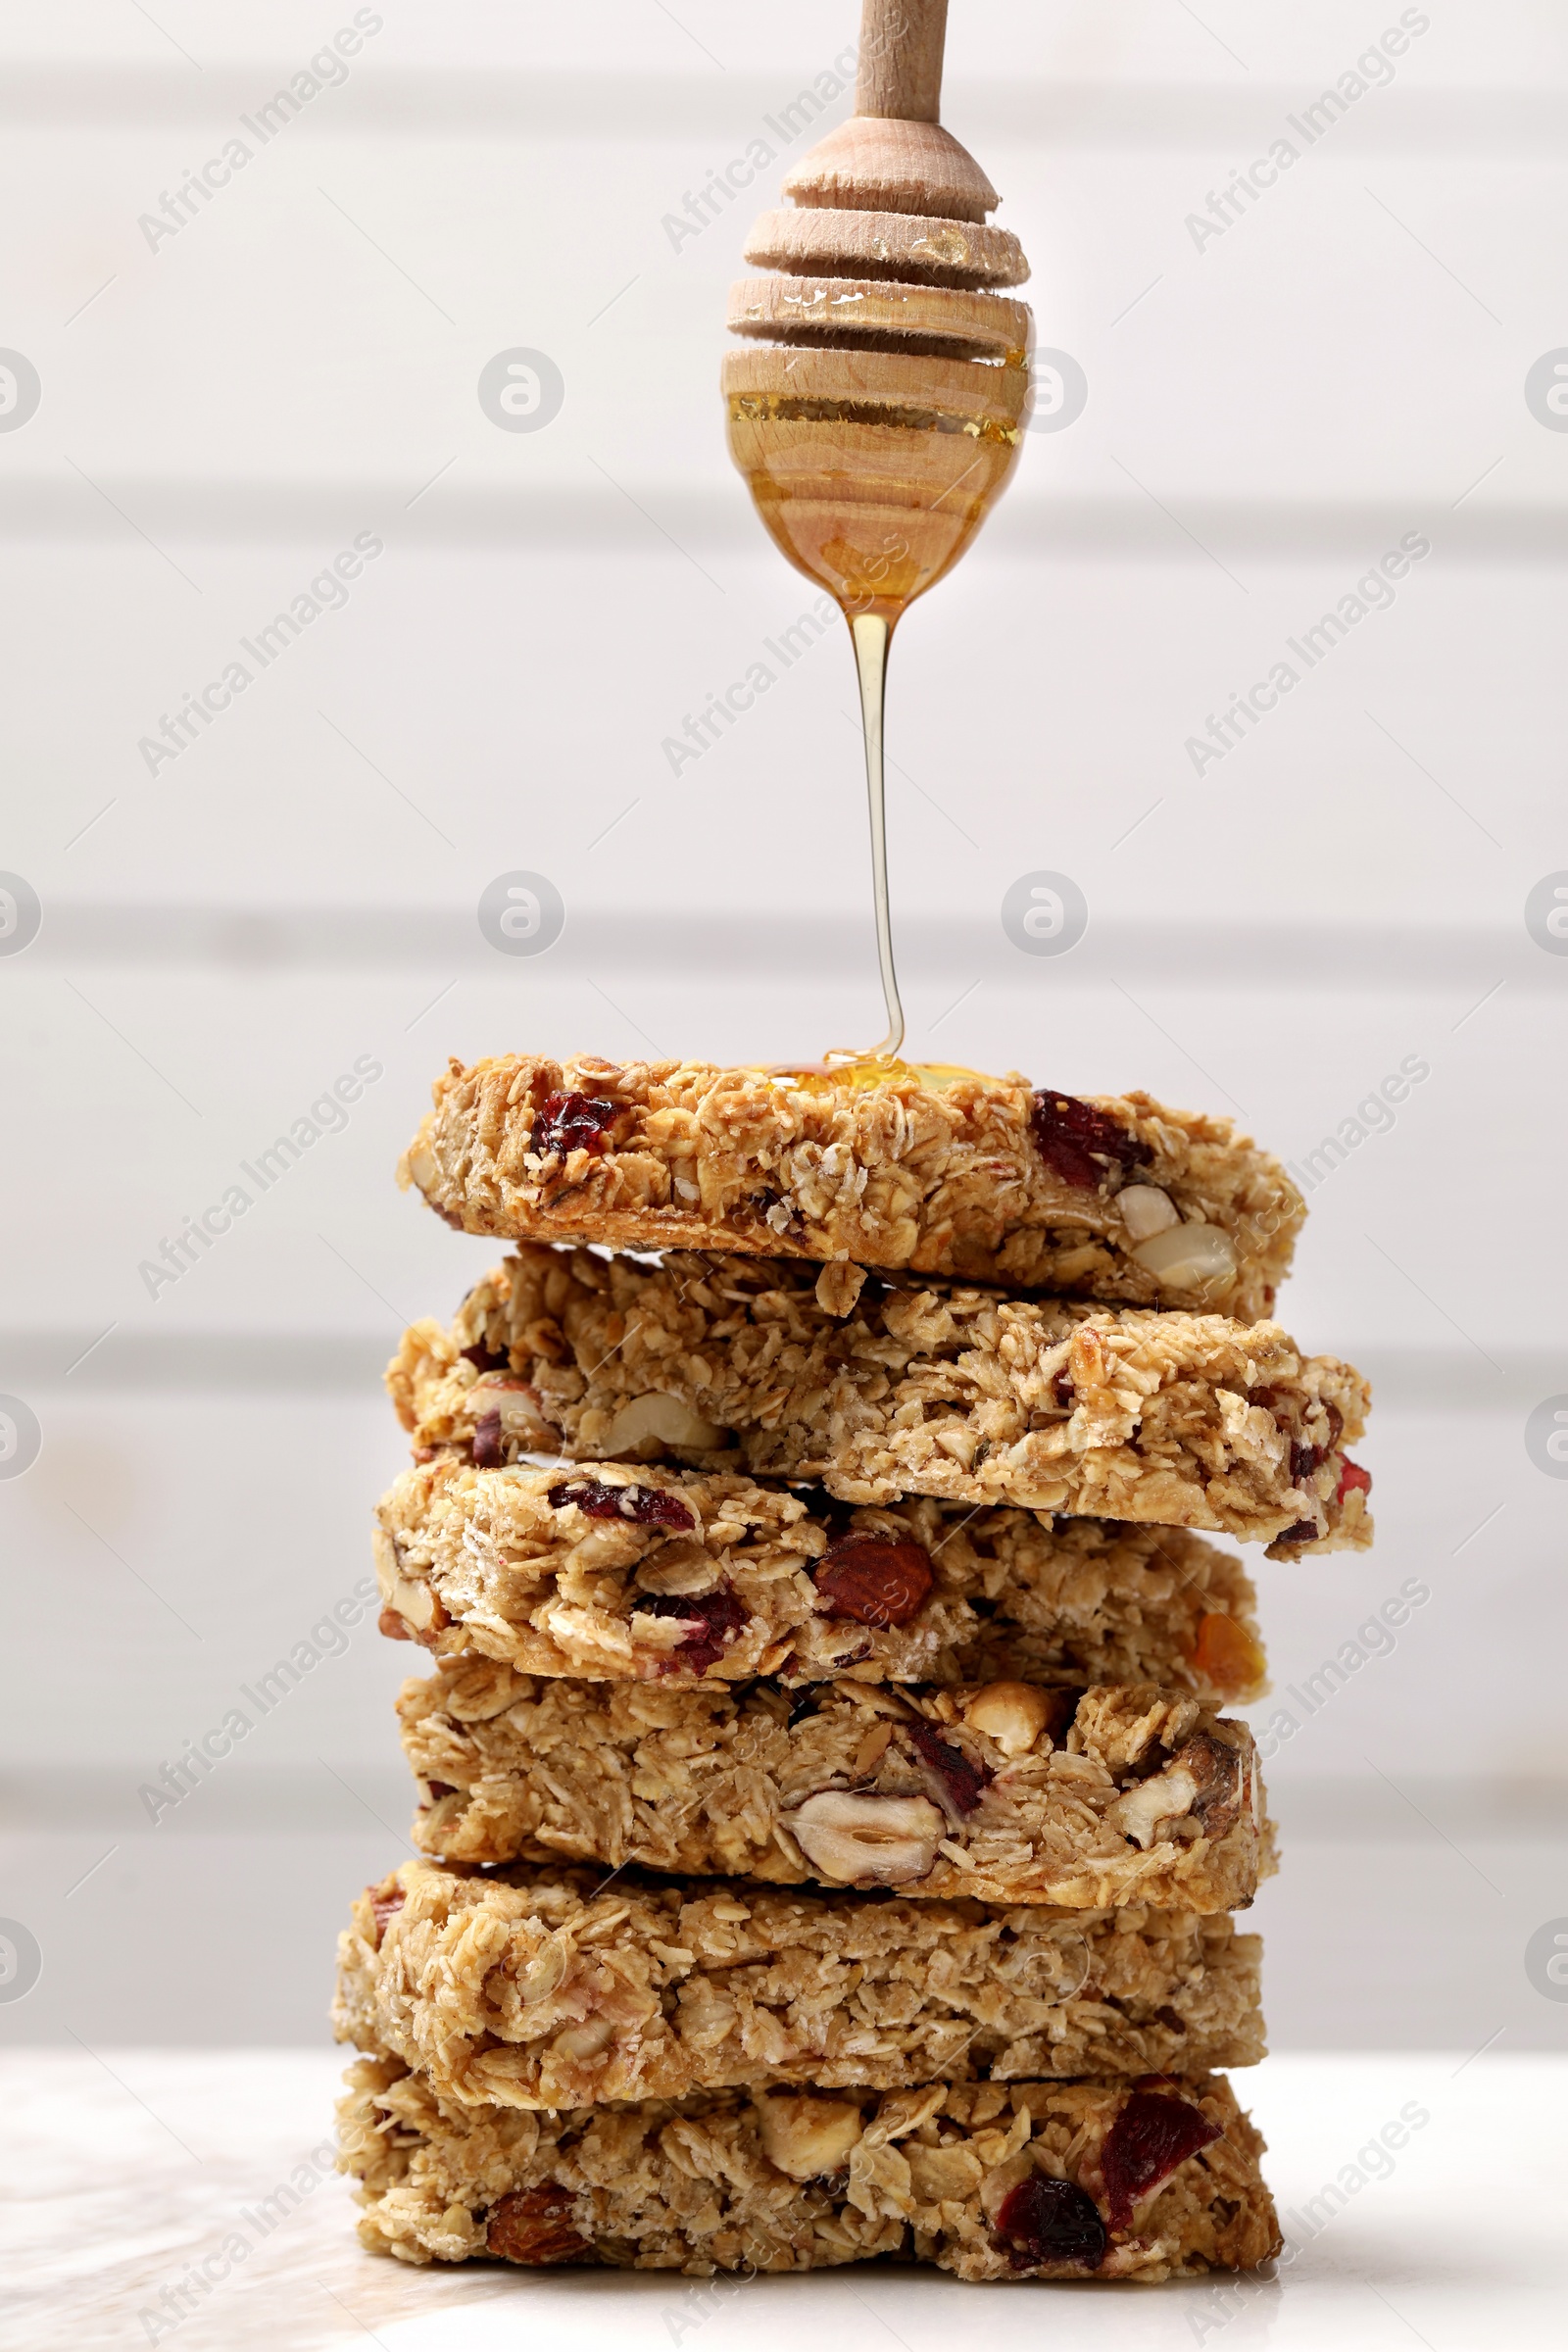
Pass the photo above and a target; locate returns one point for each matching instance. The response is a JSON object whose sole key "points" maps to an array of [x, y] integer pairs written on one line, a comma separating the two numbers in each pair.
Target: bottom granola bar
{"points": [[1072, 2181]]}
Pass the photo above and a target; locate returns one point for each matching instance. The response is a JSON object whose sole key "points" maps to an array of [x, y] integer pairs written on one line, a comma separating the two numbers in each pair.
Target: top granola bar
{"points": [[881, 1163]]}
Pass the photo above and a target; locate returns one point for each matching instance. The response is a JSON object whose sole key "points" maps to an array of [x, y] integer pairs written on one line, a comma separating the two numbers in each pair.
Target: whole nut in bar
{"points": [[1013, 1714], [807, 2136], [873, 1580], [584, 2042], [1189, 1257], [1216, 1772], [860, 1840], [1168, 1796], [1145, 1211], [664, 1420]]}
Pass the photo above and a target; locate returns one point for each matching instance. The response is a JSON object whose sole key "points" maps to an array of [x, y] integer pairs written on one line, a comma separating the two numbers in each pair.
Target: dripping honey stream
{"points": [[876, 404]]}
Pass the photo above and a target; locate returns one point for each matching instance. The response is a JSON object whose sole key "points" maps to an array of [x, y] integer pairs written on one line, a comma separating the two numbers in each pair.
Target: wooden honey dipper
{"points": [[877, 407]]}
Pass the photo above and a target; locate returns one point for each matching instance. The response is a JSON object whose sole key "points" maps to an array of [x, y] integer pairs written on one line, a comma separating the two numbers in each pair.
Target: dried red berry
{"points": [[487, 1450], [872, 1581], [385, 1907], [1305, 1459], [715, 1618], [1042, 2221], [487, 1359], [1354, 1480], [1076, 1142], [648, 1506], [534, 2225], [1301, 1531], [963, 1780], [439, 1789], [1152, 2134], [573, 1123]]}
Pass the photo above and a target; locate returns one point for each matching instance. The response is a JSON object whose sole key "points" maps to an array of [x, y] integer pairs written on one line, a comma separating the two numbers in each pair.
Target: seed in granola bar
{"points": [[487, 1450], [534, 2225], [963, 1780], [648, 1506], [573, 1123], [1077, 1141], [715, 1618], [1152, 2134], [874, 1581], [1044, 2220]]}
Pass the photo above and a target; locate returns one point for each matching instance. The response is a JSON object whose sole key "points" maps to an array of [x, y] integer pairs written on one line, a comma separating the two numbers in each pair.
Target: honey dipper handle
{"points": [[900, 71]]}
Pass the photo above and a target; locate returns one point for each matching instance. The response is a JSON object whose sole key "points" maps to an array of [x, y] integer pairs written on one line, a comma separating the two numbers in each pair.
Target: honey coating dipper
{"points": [[875, 411], [876, 408]]}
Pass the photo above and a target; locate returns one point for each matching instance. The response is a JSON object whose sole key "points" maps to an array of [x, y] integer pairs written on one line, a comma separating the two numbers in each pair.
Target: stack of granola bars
{"points": [[830, 1829]]}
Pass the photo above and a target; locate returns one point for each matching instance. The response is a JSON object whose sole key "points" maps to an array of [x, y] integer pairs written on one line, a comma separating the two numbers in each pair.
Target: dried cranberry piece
{"points": [[1152, 2134], [963, 1780], [1044, 2220], [1076, 1139], [440, 1788], [384, 1907], [715, 1618], [487, 1449], [873, 1580], [487, 1359], [648, 1506], [1305, 1459], [1301, 1531], [1353, 1480], [573, 1123]]}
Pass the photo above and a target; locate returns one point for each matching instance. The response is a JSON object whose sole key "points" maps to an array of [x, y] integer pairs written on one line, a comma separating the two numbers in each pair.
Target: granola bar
{"points": [[687, 1576], [557, 1990], [1013, 1793], [883, 1164], [1175, 1420], [987, 2180]]}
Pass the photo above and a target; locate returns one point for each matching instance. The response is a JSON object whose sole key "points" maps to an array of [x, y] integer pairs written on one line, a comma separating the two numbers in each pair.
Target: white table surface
{"points": [[120, 2170]]}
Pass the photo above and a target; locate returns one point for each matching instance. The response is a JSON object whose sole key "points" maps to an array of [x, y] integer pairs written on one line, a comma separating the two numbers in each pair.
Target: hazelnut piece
{"points": [[666, 1421], [1145, 1211], [867, 1840], [807, 2136], [1189, 1257], [1013, 1714], [1169, 1796]]}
